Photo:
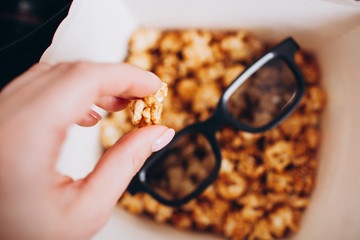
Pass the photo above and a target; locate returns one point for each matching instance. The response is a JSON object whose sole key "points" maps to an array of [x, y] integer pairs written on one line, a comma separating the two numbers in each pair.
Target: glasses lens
{"points": [[265, 95], [183, 168]]}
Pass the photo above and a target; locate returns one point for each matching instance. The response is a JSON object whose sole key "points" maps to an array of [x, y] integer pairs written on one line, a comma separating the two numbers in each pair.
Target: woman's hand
{"points": [[36, 109]]}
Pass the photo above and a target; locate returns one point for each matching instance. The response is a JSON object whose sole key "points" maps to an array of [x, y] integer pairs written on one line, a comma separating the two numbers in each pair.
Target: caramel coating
{"points": [[147, 111]]}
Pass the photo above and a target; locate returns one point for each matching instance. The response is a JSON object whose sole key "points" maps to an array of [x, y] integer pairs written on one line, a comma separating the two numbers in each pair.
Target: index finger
{"points": [[79, 85]]}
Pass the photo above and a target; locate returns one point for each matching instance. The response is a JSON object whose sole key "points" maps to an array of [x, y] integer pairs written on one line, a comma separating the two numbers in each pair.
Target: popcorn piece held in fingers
{"points": [[147, 111]]}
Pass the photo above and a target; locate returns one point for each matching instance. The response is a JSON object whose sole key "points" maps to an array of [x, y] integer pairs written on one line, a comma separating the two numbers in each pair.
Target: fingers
{"points": [[121, 162], [112, 104], [79, 85], [108, 103]]}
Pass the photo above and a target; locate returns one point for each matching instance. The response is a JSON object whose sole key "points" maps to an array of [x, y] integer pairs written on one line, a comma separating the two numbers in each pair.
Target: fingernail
{"points": [[163, 140], [95, 115]]}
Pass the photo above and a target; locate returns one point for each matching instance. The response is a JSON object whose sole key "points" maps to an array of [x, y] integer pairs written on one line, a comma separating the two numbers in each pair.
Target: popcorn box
{"points": [[99, 31]]}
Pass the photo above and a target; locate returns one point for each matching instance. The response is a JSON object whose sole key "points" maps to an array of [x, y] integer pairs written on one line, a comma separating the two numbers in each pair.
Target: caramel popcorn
{"points": [[265, 179], [230, 186], [143, 40], [279, 155], [147, 111], [261, 231], [282, 219]]}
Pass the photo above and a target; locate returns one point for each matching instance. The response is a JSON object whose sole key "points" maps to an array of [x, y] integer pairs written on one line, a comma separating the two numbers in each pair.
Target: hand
{"points": [[36, 202]]}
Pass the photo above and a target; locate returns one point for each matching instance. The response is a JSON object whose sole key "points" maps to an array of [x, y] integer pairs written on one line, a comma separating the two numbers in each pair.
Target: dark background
{"points": [[26, 30]]}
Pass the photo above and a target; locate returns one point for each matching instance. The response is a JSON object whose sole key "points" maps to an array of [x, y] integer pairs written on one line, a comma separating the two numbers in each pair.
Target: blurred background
{"points": [[27, 28]]}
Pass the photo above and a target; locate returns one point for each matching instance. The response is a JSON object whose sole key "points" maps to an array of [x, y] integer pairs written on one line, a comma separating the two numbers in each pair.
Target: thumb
{"points": [[121, 162]]}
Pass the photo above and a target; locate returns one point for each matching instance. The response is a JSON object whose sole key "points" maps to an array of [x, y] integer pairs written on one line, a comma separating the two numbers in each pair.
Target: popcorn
{"points": [[279, 155], [148, 111], [252, 200], [235, 226], [308, 67], [144, 39], [182, 221], [315, 99], [265, 179], [197, 55], [166, 74], [171, 43], [231, 186], [142, 60], [206, 97], [196, 37], [210, 73], [186, 89], [312, 137], [299, 202], [282, 219], [261, 231], [177, 120], [293, 125], [227, 166], [279, 182], [248, 166], [161, 213], [210, 193], [132, 203], [203, 216], [251, 214]]}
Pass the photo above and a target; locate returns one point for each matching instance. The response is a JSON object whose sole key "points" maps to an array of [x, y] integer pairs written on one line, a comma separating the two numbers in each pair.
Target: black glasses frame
{"points": [[222, 117]]}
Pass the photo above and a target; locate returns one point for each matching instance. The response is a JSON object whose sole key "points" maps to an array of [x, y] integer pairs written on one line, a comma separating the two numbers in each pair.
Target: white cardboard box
{"points": [[99, 30]]}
